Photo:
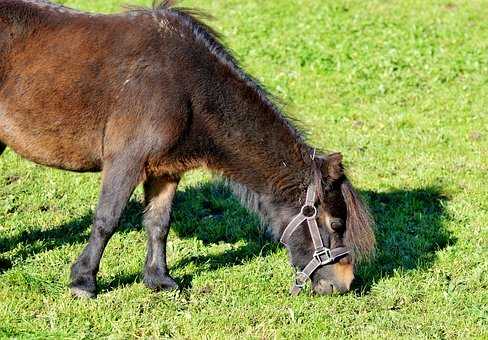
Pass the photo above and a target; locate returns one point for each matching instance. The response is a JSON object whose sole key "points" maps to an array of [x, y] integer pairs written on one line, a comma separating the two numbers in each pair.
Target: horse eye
{"points": [[337, 225]]}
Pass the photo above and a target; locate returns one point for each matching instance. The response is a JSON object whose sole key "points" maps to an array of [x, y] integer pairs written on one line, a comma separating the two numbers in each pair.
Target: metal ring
{"points": [[309, 207], [301, 279]]}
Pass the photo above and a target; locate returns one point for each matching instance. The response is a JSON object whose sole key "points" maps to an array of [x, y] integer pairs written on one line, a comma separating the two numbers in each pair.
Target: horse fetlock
{"points": [[81, 293], [83, 285], [157, 280]]}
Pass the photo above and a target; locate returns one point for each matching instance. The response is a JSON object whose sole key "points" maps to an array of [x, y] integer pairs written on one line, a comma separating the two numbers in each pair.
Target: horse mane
{"points": [[359, 232], [191, 22]]}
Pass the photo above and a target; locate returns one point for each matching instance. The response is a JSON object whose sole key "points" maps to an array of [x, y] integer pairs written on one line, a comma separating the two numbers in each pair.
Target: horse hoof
{"points": [[81, 293], [160, 283]]}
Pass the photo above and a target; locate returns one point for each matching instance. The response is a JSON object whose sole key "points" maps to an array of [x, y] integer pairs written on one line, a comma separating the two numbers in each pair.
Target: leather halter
{"points": [[322, 255]]}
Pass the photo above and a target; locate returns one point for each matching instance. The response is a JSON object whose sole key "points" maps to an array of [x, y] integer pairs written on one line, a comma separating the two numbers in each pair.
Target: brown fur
{"points": [[144, 96], [344, 274]]}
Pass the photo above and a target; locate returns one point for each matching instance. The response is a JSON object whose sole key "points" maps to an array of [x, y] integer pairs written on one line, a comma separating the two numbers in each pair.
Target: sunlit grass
{"points": [[400, 87]]}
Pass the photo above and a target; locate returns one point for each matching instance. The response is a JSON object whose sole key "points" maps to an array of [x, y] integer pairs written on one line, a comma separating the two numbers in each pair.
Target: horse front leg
{"points": [[2, 147], [119, 179], [159, 193]]}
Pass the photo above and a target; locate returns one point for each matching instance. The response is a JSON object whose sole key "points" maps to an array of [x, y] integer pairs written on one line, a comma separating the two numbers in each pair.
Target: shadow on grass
{"points": [[34, 240], [211, 214], [409, 232]]}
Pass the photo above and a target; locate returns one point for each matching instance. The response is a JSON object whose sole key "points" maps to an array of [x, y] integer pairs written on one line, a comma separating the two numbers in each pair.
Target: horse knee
{"points": [[105, 227]]}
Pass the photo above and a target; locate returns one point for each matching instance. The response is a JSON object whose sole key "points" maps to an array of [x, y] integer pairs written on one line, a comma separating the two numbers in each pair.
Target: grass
{"points": [[400, 87]]}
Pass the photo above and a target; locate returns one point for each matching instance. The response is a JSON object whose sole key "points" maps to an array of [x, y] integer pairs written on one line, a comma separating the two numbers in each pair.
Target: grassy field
{"points": [[400, 87]]}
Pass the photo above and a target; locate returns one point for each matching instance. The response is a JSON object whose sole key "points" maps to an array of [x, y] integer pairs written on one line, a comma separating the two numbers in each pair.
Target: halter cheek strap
{"points": [[322, 255]]}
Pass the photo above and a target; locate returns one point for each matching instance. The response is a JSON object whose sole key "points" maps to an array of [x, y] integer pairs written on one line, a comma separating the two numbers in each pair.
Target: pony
{"points": [[144, 96]]}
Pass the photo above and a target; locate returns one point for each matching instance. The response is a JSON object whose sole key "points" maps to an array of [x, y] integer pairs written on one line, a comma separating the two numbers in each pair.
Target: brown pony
{"points": [[146, 95]]}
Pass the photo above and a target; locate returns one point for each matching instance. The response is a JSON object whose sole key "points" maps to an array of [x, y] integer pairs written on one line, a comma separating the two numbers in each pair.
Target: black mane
{"points": [[190, 21]]}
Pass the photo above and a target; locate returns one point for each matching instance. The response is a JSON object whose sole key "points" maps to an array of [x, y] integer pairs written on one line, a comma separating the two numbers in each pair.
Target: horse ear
{"points": [[332, 167]]}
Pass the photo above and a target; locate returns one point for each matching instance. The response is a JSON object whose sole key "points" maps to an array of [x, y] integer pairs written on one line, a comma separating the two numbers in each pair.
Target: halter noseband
{"points": [[322, 255]]}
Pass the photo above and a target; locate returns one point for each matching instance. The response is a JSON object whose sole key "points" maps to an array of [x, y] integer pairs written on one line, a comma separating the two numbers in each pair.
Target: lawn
{"points": [[399, 87]]}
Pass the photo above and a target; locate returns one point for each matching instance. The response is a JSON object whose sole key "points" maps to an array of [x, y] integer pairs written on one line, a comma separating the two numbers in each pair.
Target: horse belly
{"points": [[55, 143]]}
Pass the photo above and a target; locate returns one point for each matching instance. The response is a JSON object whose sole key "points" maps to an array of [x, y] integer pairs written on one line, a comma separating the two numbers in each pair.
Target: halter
{"points": [[322, 255]]}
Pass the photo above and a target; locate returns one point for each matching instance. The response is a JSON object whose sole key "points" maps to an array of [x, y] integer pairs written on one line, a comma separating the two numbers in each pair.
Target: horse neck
{"points": [[257, 147]]}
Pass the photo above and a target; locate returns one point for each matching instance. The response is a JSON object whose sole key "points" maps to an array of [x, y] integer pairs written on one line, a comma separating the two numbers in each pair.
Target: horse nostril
{"points": [[328, 287], [333, 289], [324, 287]]}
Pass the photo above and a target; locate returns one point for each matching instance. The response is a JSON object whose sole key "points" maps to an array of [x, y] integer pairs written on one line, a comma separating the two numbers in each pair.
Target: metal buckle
{"points": [[312, 208], [323, 252], [301, 280]]}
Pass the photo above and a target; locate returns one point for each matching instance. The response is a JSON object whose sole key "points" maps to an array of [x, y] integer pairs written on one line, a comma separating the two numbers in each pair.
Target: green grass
{"points": [[400, 87]]}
